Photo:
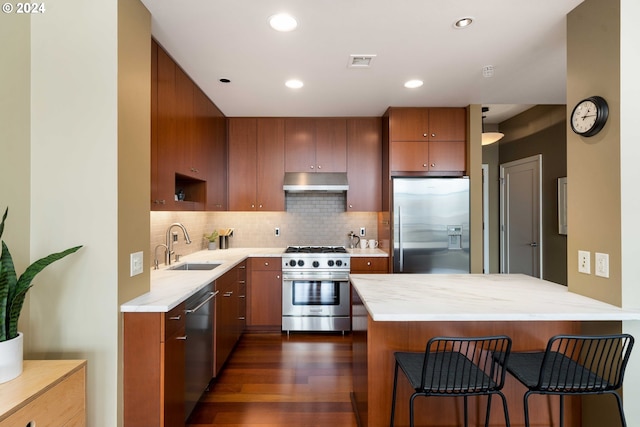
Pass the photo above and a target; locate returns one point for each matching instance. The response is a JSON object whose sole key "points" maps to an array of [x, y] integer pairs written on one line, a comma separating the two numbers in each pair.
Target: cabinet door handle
{"points": [[319, 166], [433, 165], [240, 318], [424, 165], [240, 296], [311, 167], [433, 135], [253, 206], [178, 317], [182, 338], [266, 264], [424, 135], [277, 277], [350, 206], [227, 294], [369, 263]]}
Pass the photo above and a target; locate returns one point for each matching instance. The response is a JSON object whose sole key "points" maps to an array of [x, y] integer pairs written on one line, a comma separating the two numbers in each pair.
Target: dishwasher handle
{"points": [[209, 298]]}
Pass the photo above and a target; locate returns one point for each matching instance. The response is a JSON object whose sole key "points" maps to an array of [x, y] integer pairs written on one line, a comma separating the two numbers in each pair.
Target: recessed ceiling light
{"points": [[462, 23], [283, 22], [294, 84], [412, 84]]}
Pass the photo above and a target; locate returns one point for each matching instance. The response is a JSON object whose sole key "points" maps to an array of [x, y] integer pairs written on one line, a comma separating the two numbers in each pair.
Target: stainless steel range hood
{"points": [[328, 182]]}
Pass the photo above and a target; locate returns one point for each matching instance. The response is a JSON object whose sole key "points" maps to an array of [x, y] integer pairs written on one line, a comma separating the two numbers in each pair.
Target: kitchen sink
{"points": [[195, 266]]}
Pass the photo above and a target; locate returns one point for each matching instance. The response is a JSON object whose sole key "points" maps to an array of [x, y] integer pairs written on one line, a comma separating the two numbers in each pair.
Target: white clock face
{"points": [[584, 116]]}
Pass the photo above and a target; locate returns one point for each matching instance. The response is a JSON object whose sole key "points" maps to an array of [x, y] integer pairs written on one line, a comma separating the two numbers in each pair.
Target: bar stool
{"points": [[455, 367], [573, 365]]}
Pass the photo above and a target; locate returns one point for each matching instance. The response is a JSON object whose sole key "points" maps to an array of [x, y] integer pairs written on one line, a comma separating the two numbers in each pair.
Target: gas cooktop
{"points": [[316, 250]]}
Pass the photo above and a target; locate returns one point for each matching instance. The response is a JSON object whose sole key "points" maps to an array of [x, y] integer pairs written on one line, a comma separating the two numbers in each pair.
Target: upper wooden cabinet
{"points": [[315, 144], [188, 135], [364, 164], [256, 164], [427, 124], [427, 140]]}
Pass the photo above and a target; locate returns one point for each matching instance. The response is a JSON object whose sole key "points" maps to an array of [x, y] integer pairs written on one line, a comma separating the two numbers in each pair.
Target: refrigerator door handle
{"points": [[400, 249]]}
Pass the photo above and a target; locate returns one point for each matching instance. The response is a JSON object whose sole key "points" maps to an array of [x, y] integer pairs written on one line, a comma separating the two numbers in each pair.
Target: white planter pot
{"points": [[213, 246], [11, 358]]}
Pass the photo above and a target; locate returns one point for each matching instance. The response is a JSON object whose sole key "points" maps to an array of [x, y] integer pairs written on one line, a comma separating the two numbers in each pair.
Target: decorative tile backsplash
{"points": [[314, 219]]}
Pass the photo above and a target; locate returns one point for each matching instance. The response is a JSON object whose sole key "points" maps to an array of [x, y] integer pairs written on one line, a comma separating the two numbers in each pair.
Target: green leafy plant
{"points": [[13, 290], [212, 237]]}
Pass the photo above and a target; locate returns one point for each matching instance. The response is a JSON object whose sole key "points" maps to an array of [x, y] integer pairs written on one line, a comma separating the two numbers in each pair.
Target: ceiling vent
{"points": [[360, 61]]}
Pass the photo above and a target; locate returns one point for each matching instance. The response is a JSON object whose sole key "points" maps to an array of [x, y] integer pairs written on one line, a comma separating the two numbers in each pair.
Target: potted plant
{"points": [[213, 240], [13, 290]]}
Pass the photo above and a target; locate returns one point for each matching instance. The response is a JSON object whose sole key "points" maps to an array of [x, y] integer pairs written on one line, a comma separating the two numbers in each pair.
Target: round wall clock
{"points": [[589, 116]]}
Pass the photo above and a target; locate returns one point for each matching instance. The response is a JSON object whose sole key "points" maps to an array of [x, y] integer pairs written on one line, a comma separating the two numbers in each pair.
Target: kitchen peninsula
{"points": [[401, 312]]}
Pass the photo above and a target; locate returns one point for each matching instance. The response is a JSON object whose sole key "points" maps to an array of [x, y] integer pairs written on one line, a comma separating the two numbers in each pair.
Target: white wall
{"points": [[74, 310], [630, 197]]}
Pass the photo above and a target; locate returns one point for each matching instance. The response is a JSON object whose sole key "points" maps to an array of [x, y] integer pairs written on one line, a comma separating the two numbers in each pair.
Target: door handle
{"points": [[533, 244]]}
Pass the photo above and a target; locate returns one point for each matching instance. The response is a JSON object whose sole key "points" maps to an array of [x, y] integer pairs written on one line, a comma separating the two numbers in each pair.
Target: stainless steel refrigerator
{"points": [[431, 225]]}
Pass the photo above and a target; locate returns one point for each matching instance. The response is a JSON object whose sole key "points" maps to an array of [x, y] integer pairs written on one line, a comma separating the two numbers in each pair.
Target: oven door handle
{"points": [[316, 277]]}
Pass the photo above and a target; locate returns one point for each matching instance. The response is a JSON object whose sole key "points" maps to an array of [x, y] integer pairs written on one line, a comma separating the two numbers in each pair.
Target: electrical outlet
{"points": [[363, 232], [584, 262], [602, 265], [277, 231], [136, 263]]}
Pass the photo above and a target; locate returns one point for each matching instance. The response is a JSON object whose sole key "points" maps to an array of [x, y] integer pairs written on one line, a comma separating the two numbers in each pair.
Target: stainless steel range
{"points": [[315, 289]]}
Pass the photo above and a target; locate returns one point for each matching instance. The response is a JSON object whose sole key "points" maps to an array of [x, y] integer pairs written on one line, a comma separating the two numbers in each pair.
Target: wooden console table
{"points": [[49, 393]]}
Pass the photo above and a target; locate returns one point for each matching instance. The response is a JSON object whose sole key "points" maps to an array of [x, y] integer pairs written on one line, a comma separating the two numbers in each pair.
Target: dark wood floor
{"points": [[279, 380]]}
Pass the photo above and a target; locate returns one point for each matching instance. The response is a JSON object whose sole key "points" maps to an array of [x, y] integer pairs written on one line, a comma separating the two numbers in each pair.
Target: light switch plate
{"points": [[136, 260], [584, 262], [602, 265]]}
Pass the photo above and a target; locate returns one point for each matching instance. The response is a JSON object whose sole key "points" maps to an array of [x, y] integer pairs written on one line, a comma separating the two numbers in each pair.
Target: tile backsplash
{"points": [[314, 219]]}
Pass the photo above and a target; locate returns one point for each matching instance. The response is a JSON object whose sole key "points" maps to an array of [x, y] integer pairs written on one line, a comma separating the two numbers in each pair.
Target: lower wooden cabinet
{"points": [[264, 294], [229, 315], [369, 265], [154, 351]]}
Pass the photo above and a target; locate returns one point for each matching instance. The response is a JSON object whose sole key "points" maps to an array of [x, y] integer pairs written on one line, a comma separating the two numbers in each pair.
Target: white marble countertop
{"points": [[367, 252], [477, 297], [169, 288]]}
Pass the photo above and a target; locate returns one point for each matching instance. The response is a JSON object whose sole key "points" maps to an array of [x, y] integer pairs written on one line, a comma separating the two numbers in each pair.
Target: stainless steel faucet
{"points": [[155, 254], [169, 244]]}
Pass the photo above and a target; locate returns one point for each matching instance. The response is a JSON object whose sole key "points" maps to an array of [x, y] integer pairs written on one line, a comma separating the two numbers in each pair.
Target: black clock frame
{"points": [[602, 114]]}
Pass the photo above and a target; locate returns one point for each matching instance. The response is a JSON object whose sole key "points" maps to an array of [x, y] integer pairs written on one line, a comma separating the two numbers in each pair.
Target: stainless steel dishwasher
{"points": [[198, 346]]}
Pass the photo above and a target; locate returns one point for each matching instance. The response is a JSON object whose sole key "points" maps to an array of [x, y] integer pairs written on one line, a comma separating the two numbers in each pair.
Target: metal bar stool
{"points": [[455, 367], [573, 365]]}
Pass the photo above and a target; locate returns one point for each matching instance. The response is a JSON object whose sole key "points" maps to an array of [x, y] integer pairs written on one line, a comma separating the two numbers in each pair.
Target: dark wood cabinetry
{"points": [[427, 140], [256, 164], [364, 164], [187, 136], [264, 294], [315, 145], [369, 265], [229, 314], [154, 363]]}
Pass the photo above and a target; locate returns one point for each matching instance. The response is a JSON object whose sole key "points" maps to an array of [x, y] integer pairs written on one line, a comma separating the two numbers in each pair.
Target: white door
{"points": [[520, 216]]}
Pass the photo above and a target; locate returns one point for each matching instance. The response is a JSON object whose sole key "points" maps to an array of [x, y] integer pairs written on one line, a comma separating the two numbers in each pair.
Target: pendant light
{"points": [[489, 137]]}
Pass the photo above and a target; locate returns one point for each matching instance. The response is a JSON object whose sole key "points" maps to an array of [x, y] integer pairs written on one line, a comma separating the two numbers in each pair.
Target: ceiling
{"points": [[524, 41]]}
